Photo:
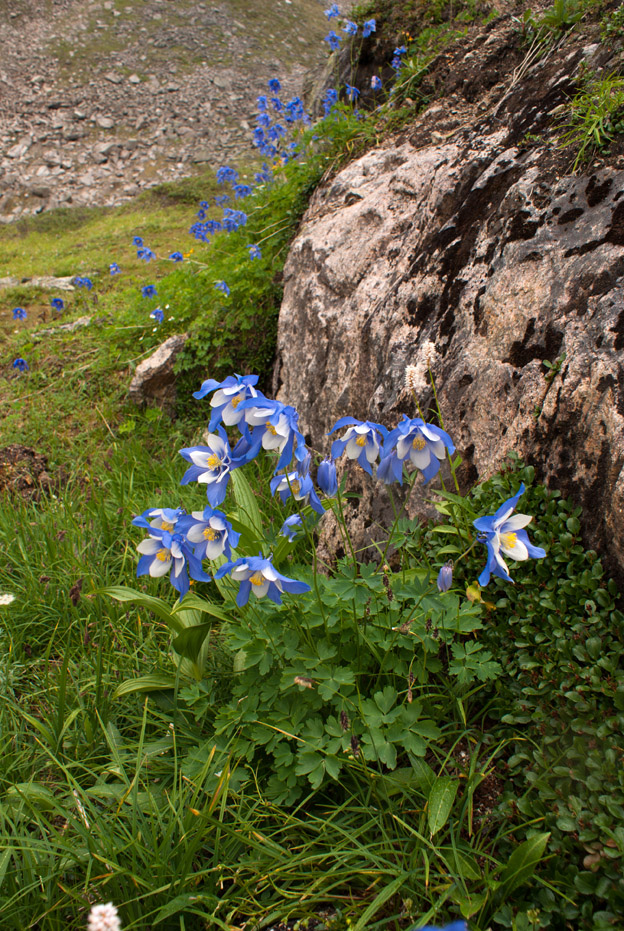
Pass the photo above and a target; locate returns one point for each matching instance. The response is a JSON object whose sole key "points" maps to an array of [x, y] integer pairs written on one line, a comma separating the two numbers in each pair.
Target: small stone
{"points": [[113, 77], [104, 122], [134, 79]]}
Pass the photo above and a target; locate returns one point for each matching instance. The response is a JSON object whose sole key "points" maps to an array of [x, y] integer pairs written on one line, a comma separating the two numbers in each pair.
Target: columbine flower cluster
{"points": [[178, 542]]}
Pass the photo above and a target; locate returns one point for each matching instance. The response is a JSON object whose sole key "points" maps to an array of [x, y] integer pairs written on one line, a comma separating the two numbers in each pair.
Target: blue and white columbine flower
{"points": [[369, 27], [58, 304], [19, 313], [176, 257], [157, 315], [227, 398], [159, 519], [211, 466], [376, 83], [210, 532], [420, 443], [148, 290], [114, 268], [350, 28], [137, 241], [302, 489], [165, 552], [326, 478], [504, 533], [222, 286], [259, 576], [361, 441], [274, 426], [254, 252], [292, 527], [332, 12], [145, 254], [21, 365]]}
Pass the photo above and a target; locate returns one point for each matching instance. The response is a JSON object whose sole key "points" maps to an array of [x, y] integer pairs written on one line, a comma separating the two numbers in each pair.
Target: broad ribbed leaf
{"points": [[441, 798], [151, 683], [156, 605], [522, 863], [246, 501], [191, 640]]}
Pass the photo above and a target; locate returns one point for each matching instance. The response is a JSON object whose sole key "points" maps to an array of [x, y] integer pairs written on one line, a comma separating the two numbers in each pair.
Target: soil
{"points": [[102, 99], [23, 471]]}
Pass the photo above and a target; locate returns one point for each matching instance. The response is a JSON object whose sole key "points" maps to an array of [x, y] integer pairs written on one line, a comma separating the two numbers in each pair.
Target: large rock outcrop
{"points": [[482, 255]]}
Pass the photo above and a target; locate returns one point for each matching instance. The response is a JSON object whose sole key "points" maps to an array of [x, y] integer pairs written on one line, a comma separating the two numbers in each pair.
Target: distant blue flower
{"points": [[332, 12], [263, 120], [401, 50], [211, 465], [227, 398], [376, 83], [361, 441], [221, 199], [294, 110], [233, 219], [265, 176], [278, 106], [274, 86], [19, 313], [204, 204], [148, 290], [164, 551], [369, 26], [422, 444], [259, 576], [114, 268], [210, 532], [504, 533], [350, 28], [137, 241], [301, 489], [176, 257], [352, 92], [292, 527], [445, 577], [145, 254], [333, 40], [225, 174], [330, 99], [201, 214], [58, 304], [254, 252], [21, 365], [222, 286], [242, 190], [326, 478], [263, 102], [83, 283], [157, 315]]}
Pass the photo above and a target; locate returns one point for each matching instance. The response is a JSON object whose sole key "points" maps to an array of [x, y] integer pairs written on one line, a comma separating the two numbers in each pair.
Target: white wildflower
{"points": [[417, 376], [104, 918], [6, 598]]}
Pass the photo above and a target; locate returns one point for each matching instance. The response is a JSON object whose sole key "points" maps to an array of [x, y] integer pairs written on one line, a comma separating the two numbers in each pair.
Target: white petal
{"points": [[196, 534], [260, 590], [149, 547], [159, 567], [178, 566], [517, 551], [516, 522], [199, 458], [420, 457]]}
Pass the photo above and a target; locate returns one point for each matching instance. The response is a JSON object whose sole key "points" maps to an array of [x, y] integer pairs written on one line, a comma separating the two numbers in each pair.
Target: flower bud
{"points": [[326, 478], [445, 577]]}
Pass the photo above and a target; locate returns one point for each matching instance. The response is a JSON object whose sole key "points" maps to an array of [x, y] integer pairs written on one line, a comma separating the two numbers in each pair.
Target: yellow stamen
{"points": [[295, 487], [166, 526], [257, 578], [210, 534], [271, 429], [213, 461], [361, 441], [163, 555], [419, 443], [236, 401], [508, 540]]}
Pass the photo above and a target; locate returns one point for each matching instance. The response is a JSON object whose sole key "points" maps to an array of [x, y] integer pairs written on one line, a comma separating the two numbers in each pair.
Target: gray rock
{"points": [[473, 256], [154, 379], [104, 122]]}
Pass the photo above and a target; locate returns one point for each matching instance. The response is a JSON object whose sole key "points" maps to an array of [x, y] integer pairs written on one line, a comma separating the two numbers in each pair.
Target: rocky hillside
{"points": [[468, 243], [103, 98]]}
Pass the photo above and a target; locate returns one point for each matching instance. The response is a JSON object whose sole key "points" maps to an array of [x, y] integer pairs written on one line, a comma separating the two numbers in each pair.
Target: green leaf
{"points": [[246, 501], [441, 798], [191, 640], [522, 863], [152, 683], [156, 605], [194, 603], [380, 899], [184, 903]]}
